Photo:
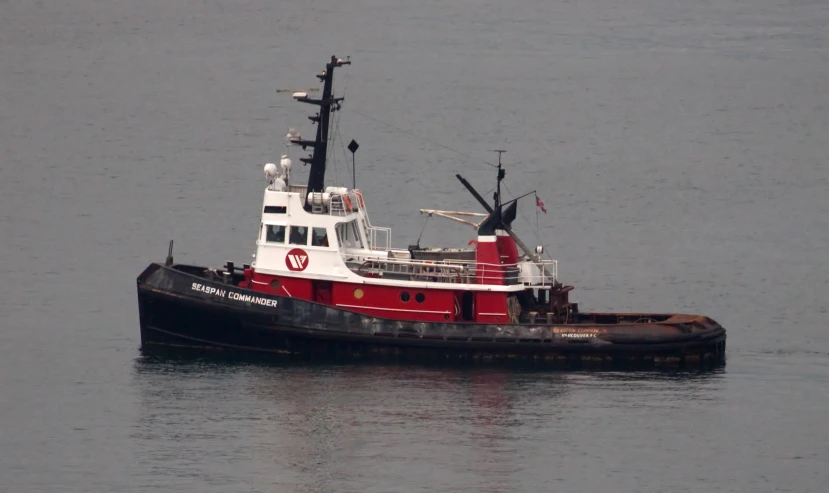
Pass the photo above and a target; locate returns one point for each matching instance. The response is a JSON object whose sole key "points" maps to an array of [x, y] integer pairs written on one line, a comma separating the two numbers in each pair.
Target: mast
{"points": [[495, 220], [501, 174], [327, 104]]}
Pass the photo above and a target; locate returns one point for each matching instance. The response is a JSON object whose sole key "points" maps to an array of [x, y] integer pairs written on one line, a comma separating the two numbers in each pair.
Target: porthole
{"points": [[404, 297], [420, 297], [358, 293], [275, 284]]}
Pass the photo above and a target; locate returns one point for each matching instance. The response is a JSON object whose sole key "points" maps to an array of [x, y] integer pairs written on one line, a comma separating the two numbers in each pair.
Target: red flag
{"points": [[540, 204]]}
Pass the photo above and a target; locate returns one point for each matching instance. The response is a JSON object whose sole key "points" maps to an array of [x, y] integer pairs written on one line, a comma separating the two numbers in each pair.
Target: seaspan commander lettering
{"points": [[232, 295], [251, 299]]}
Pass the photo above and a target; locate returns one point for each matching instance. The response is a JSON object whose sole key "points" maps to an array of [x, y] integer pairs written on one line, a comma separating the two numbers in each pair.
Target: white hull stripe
{"points": [[390, 309]]}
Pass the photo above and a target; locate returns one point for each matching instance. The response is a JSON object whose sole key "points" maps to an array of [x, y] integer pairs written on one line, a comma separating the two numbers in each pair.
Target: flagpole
{"points": [[536, 217]]}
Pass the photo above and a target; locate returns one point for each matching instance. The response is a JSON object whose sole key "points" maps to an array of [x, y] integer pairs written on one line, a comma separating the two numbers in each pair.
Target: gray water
{"points": [[680, 148]]}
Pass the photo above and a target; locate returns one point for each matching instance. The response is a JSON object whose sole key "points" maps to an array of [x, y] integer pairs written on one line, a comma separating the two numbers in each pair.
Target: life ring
{"points": [[347, 203], [360, 198]]}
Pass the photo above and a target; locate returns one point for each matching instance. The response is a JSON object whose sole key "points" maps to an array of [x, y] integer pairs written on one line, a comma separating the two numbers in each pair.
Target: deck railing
{"points": [[401, 269], [379, 238], [529, 273]]}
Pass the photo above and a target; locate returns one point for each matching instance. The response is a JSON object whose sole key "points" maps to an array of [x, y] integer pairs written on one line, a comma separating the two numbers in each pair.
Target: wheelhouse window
{"points": [[299, 235], [356, 231], [319, 237], [275, 233], [348, 235]]}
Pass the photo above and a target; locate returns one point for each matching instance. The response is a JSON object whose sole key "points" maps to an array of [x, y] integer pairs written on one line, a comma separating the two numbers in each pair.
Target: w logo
{"points": [[296, 260]]}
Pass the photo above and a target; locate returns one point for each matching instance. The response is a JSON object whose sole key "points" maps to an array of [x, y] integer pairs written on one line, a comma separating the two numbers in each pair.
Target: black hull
{"points": [[180, 309]]}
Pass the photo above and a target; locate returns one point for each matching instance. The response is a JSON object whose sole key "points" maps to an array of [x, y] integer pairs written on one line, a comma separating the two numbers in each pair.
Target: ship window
{"points": [[342, 235], [319, 237], [275, 209], [420, 297], [299, 235], [404, 297], [348, 235], [357, 233], [275, 233]]}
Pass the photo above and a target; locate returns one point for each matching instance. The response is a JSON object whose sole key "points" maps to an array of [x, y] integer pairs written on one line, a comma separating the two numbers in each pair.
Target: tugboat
{"points": [[325, 282]]}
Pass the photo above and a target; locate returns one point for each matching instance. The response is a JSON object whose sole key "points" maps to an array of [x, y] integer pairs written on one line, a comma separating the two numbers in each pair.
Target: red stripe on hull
{"points": [[397, 303], [392, 302]]}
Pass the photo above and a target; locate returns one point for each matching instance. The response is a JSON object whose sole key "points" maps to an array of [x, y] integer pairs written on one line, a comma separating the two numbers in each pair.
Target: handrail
{"points": [[468, 271], [433, 273], [373, 231], [337, 208]]}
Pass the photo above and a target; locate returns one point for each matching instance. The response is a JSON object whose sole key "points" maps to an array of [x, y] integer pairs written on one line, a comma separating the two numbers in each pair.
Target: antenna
{"points": [[501, 174]]}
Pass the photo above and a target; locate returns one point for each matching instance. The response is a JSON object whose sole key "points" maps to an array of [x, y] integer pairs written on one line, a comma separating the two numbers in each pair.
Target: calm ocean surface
{"points": [[681, 150]]}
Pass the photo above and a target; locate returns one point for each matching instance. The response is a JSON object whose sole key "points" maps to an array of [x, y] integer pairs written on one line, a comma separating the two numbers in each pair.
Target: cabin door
{"points": [[322, 291], [468, 306]]}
